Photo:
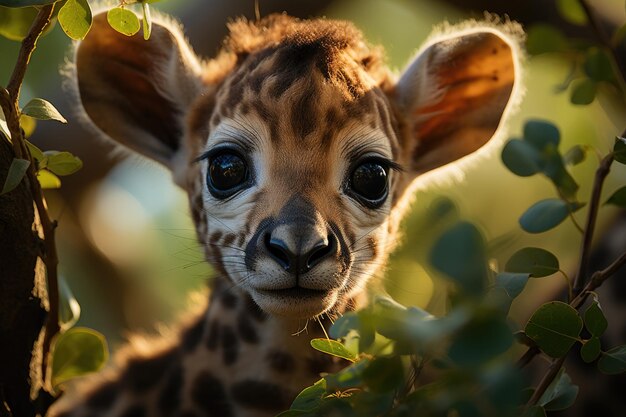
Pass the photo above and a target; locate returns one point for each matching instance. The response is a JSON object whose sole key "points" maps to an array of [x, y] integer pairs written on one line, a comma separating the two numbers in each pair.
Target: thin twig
{"points": [[527, 357], [597, 279], [545, 382], [29, 43], [10, 104], [594, 204]]}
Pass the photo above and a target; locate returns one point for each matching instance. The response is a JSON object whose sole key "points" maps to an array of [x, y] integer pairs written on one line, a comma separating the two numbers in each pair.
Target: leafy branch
{"points": [[582, 289]]}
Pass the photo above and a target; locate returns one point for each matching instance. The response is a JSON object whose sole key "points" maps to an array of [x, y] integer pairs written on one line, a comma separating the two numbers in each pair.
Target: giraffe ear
{"points": [[136, 92], [453, 95]]}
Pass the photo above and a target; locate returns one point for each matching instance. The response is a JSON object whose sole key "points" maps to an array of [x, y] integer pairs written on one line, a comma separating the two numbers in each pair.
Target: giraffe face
{"points": [[297, 183], [297, 146]]}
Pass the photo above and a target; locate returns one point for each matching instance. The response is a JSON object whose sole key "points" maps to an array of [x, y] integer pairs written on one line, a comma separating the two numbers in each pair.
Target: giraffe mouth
{"points": [[297, 292], [295, 302]]}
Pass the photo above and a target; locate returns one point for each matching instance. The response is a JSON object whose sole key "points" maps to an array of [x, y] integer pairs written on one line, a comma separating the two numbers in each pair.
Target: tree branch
{"points": [[545, 382], [592, 215], [9, 99]]}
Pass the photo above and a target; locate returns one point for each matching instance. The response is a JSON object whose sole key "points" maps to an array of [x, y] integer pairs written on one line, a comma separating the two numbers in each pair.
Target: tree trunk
{"points": [[22, 296]]}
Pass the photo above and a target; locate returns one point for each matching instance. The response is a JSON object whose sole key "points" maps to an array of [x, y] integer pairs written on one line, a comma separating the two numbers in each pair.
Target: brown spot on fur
{"points": [[319, 363], [261, 395], [372, 245], [104, 396], [304, 112], [170, 395], [192, 336], [230, 345], [246, 330], [281, 361], [214, 335], [229, 239], [228, 299], [135, 411], [208, 394], [143, 374], [254, 310]]}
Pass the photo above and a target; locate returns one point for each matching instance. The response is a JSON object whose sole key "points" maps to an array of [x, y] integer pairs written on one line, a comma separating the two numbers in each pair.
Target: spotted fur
{"points": [[304, 103]]}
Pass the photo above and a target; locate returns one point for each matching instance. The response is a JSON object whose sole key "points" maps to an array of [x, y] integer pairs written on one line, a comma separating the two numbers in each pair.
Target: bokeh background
{"points": [[127, 246]]}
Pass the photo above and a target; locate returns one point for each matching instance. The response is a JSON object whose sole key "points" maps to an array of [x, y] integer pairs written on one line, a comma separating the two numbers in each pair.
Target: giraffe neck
{"points": [[259, 362]]}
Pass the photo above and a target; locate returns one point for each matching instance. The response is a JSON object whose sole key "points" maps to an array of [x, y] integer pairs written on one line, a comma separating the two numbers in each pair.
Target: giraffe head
{"points": [[296, 144]]}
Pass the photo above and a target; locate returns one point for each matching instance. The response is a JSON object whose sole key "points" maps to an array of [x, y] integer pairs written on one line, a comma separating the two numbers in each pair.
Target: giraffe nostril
{"points": [[319, 252], [279, 251]]}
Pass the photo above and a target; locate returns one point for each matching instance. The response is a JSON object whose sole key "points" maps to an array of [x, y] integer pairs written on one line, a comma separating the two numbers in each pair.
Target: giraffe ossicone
{"points": [[299, 150]]}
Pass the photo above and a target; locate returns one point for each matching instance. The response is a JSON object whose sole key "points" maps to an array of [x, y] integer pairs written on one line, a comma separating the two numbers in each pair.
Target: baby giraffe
{"points": [[299, 150]]}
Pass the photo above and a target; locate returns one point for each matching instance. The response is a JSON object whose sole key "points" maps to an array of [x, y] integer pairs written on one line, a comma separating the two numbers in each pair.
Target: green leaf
{"points": [[583, 92], [75, 18], [554, 169], [480, 341], [77, 352], [598, 65], [512, 283], [15, 23], [535, 411], [334, 348], [619, 150], [521, 158], [560, 394], [48, 180], [541, 134], [69, 309], [35, 152], [62, 163], [28, 125], [296, 413], [546, 214], [614, 361], [460, 254], [554, 327], [124, 21], [590, 350], [349, 377], [24, 3], [575, 155], [16, 172], [147, 20], [544, 38], [384, 374], [311, 397], [618, 198], [595, 321], [345, 323], [43, 110], [535, 261], [571, 11]]}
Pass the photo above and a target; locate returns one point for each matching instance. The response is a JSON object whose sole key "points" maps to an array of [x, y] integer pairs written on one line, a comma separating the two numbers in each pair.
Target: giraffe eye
{"points": [[227, 174], [369, 182]]}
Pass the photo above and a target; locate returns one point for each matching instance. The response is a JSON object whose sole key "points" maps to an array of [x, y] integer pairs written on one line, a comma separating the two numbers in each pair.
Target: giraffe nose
{"points": [[300, 253]]}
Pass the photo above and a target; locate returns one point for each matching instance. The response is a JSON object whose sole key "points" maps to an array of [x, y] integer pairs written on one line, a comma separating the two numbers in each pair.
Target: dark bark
{"points": [[21, 292]]}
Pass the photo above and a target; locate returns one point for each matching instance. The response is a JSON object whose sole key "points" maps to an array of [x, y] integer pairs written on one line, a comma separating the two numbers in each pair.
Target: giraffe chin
{"points": [[296, 303]]}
